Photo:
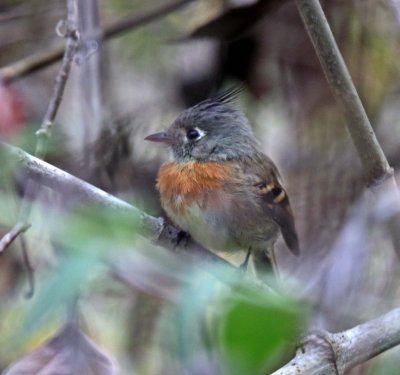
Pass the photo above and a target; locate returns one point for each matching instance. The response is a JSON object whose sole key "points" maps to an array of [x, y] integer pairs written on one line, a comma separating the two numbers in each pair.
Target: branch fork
{"points": [[322, 342]]}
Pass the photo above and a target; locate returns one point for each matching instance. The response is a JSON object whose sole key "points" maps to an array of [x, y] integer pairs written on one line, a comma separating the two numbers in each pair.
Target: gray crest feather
{"points": [[228, 96]]}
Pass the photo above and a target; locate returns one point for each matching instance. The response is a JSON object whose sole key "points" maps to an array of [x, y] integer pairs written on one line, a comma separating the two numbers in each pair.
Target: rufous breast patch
{"points": [[180, 184]]}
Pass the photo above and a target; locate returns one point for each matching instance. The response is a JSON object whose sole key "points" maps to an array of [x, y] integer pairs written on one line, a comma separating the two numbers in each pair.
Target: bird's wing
{"points": [[276, 201]]}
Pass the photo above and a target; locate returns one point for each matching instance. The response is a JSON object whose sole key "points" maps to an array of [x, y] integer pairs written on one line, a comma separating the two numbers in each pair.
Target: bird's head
{"points": [[210, 130]]}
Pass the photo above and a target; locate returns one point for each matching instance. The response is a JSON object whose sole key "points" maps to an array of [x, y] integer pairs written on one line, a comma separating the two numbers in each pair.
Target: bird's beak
{"points": [[162, 137]]}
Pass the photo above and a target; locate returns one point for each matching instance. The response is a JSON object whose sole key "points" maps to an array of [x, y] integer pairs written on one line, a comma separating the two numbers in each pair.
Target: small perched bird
{"points": [[220, 187]]}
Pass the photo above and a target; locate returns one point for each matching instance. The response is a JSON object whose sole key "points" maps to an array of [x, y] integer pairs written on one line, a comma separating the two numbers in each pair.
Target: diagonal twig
{"points": [[12, 234], [49, 56], [43, 134], [378, 173], [71, 46], [374, 162], [28, 267]]}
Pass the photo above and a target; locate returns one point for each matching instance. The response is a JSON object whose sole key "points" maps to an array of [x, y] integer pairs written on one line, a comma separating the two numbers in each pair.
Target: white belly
{"points": [[207, 227]]}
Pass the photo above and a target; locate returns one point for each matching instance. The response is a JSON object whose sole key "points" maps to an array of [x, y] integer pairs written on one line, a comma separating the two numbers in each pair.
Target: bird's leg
{"points": [[265, 264], [182, 236], [243, 266], [274, 264]]}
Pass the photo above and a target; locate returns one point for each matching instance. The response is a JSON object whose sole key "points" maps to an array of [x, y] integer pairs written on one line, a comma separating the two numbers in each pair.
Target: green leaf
{"points": [[256, 332], [239, 325]]}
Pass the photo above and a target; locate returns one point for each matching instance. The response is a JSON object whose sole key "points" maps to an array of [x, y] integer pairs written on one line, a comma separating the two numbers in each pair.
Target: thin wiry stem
{"points": [[28, 267], [373, 159], [12, 234], [49, 56], [72, 41], [43, 134]]}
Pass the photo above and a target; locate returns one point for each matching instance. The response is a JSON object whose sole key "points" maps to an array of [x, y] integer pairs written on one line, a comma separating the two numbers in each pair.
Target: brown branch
{"points": [[132, 22], [47, 57], [31, 64]]}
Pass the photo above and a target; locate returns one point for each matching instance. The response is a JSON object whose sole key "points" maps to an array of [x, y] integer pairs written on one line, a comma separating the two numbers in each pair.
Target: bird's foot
{"points": [[243, 266], [182, 238]]}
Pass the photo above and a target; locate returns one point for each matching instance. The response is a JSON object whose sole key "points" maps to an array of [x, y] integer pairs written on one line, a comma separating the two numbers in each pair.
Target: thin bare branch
{"points": [[49, 56], [373, 159], [28, 267], [71, 46], [44, 132], [337, 353], [8, 239], [31, 63], [132, 22], [12, 234], [32, 187]]}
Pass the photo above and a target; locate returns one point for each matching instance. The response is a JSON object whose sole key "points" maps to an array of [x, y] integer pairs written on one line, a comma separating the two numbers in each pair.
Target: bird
{"points": [[220, 187]]}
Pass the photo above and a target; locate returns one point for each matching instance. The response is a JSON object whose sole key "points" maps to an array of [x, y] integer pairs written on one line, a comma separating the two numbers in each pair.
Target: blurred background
{"points": [[134, 81]]}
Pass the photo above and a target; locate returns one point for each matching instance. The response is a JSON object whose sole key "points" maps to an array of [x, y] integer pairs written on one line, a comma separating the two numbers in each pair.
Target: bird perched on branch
{"points": [[220, 187]]}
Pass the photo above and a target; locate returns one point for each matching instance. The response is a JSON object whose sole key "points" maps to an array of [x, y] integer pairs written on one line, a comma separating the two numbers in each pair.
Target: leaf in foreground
{"points": [[69, 352], [256, 334]]}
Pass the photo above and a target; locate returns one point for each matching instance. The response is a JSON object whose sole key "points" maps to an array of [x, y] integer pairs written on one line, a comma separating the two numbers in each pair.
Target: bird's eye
{"points": [[192, 134], [276, 191]]}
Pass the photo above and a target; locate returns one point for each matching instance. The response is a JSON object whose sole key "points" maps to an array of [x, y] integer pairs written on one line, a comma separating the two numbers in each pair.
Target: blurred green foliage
{"points": [[240, 328], [257, 333]]}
